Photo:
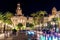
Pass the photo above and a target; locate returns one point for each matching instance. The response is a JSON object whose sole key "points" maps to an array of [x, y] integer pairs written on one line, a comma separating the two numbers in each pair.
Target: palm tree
{"points": [[8, 14], [1, 16], [1, 20], [7, 17], [34, 17], [40, 16]]}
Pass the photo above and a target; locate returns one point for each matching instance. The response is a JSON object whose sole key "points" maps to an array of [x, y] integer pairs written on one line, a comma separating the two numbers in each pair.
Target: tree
{"points": [[54, 19], [20, 25], [49, 26], [6, 20], [7, 17], [1, 16], [40, 16], [34, 17], [30, 25], [8, 14]]}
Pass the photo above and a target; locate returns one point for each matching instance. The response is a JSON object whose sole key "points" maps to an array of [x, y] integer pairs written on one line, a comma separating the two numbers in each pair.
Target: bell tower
{"points": [[18, 10], [54, 11]]}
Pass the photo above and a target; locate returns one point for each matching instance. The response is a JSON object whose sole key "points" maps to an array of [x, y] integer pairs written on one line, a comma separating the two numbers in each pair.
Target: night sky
{"points": [[29, 6]]}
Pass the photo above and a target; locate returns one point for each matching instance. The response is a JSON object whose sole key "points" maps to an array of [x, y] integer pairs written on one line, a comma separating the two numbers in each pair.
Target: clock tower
{"points": [[18, 10]]}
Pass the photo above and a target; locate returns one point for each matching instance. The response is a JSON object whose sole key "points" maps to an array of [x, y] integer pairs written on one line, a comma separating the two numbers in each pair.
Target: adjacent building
{"points": [[54, 13]]}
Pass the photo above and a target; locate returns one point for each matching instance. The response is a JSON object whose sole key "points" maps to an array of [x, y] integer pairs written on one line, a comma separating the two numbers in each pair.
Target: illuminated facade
{"points": [[54, 12], [20, 18]]}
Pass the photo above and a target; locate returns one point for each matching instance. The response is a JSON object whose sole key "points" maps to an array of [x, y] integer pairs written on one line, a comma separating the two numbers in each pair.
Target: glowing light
{"points": [[50, 38], [45, 24], [40, 25], [52, 23], [30, 32], [42, 37], [55, 38]]}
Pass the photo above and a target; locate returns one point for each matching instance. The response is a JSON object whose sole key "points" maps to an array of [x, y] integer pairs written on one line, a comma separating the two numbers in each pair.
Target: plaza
{"points": [[34, 27]]}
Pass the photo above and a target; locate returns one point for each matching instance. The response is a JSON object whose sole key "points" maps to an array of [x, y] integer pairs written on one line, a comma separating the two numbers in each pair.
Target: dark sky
{"points": [[29, 6]]}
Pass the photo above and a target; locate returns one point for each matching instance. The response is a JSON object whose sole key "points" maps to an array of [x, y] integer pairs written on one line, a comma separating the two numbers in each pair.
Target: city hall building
{"points": [[20, 18]]}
